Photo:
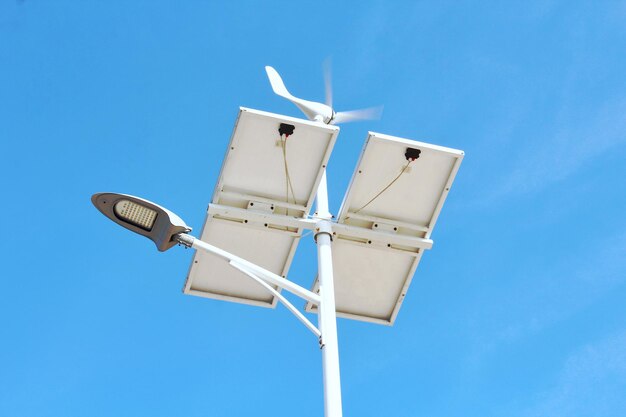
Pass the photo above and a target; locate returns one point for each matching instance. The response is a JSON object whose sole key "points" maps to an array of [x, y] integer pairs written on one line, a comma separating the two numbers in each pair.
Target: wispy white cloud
{"points": [[592, 382], [555, 157], [576, 281], [586, 117]]}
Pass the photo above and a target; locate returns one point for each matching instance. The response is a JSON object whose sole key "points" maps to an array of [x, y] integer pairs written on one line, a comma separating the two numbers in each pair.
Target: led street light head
{"points": [[141, 216], [136, 214]]}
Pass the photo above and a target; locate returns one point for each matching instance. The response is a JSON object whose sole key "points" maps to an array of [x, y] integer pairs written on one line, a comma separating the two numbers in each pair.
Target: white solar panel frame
{"points": [[371, 261], [250, 172]]}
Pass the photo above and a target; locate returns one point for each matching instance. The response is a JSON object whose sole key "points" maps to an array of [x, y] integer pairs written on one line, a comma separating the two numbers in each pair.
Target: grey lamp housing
{"points": [[141, 216]]}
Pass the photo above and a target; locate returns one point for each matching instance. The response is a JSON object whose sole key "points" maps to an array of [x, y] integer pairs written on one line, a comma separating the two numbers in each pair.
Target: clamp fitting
{"points": [[323, 227]]}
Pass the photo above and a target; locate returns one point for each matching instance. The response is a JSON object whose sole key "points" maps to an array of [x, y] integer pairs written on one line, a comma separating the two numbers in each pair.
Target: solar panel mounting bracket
{"points": [[345, 231]]}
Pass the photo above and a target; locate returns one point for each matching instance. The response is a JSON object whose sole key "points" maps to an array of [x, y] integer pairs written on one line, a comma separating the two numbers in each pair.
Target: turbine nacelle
{"points": [[319, 111]]}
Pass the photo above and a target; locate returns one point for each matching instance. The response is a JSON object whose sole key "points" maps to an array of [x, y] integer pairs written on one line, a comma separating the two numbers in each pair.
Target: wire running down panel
{"points": [[264, 171], [397, 188]]}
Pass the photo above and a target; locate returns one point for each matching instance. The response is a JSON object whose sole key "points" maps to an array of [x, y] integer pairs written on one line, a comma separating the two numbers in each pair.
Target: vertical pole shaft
{"points": [[327, 315]]}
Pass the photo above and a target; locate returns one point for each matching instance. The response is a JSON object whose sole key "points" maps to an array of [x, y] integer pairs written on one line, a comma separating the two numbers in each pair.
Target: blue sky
{"points": [[519, 308]]}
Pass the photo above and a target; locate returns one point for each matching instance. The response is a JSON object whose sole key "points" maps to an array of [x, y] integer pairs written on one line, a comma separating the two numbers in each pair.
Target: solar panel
{"points": [[396, 196], [263, 172]]}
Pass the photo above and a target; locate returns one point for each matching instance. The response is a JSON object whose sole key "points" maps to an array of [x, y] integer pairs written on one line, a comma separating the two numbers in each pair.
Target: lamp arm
{"points": [[280, 297], [261, 273]]}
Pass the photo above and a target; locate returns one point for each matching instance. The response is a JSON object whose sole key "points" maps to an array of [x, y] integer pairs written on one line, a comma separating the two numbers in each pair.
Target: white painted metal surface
{"points": [[327, 317], [280, 298], [373, 273], [253, 178], [263, 273]]}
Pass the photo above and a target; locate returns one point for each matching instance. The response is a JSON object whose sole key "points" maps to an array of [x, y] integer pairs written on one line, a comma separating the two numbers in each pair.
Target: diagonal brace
{"points": [[280, 297]]}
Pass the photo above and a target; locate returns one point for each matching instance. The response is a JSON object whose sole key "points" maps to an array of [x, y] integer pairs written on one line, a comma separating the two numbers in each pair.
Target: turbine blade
{"points": [[328, 81], [277, 83], [311, 109], [370, 113]]}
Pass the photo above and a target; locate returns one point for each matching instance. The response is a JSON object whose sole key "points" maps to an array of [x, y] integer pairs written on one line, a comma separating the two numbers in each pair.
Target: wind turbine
{"points": [[321, 112]]}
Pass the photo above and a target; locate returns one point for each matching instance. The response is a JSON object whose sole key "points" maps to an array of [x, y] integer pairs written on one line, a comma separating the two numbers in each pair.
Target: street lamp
{"points": [[143, 217], [260, 211], [166, 229]]}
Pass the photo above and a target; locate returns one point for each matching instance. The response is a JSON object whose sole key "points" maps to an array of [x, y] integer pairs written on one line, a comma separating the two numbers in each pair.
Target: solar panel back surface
{"points": [[254, 177], [391, 194]]}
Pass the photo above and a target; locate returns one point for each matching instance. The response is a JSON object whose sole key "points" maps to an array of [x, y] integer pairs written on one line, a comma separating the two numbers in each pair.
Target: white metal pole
{"points": [[326, 309]]}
